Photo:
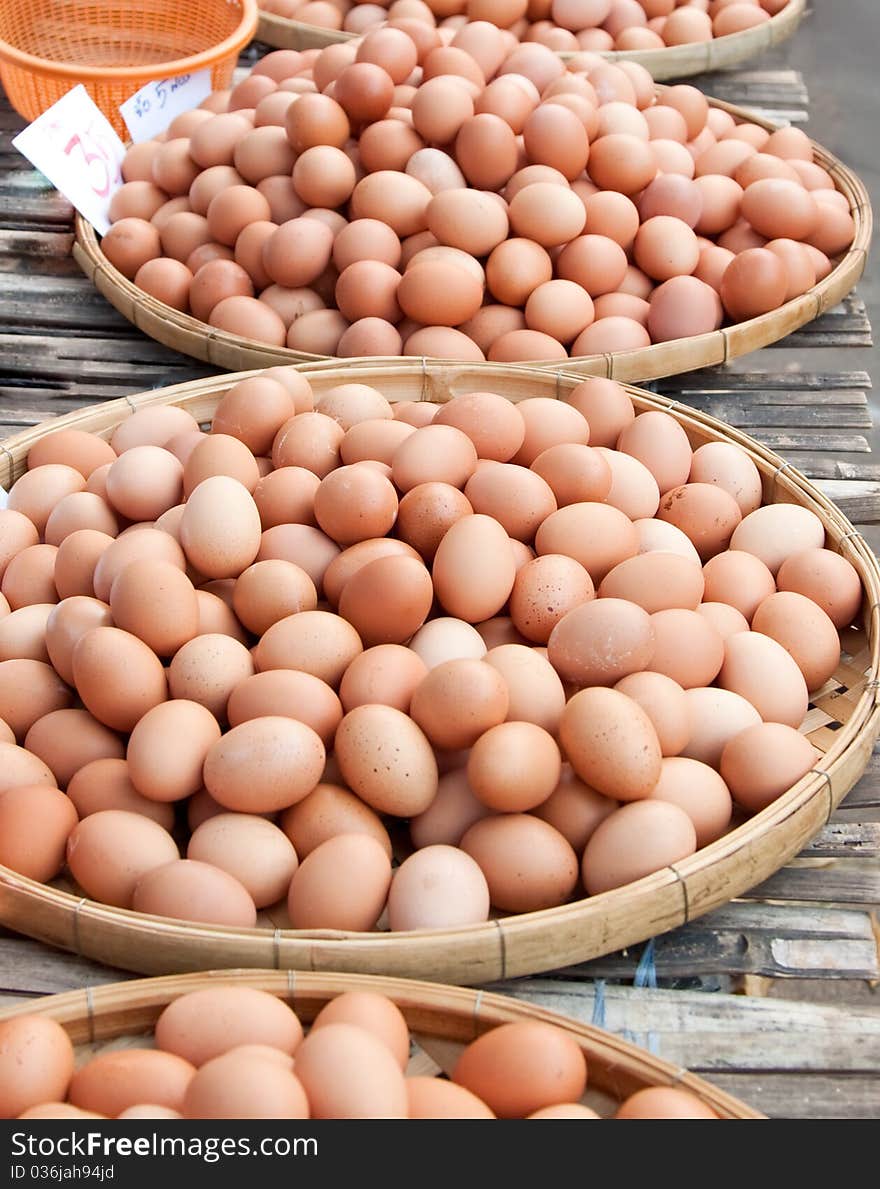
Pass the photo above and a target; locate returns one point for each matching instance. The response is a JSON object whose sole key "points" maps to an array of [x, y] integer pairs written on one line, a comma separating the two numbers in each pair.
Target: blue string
{"points": [[599, 1003], [646, 971], [646, 976]]}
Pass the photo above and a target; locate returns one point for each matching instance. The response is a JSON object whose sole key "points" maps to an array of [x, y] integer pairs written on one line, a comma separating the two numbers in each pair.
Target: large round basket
{"points": [[184, 333], [441, 1019], [843, 722], [677, 61]]}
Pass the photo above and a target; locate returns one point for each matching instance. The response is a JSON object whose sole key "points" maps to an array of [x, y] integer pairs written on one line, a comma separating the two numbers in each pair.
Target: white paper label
{"points": [[151, 109], [74, 145]]}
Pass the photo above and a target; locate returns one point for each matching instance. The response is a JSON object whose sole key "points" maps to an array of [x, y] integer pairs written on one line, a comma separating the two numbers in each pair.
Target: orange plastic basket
{"points": [[115, 47]]}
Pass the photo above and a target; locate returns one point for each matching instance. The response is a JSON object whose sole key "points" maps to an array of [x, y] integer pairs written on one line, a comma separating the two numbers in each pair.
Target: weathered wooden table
{"points": [[697, 996]]}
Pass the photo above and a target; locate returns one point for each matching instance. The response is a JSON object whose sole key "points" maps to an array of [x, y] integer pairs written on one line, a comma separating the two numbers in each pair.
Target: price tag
{"points": [[74, 145], [151, 109]]}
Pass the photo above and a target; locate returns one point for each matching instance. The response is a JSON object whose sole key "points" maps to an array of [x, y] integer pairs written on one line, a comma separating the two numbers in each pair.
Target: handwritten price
{"points": [[151, 109], [75, 146], [93, 148]]}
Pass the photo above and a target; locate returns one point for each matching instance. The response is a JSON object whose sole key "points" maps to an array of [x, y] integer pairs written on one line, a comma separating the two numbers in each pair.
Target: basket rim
{"points": [[222, 348], [672, 61], [47, 68], [480, 1010], [821, 789]]}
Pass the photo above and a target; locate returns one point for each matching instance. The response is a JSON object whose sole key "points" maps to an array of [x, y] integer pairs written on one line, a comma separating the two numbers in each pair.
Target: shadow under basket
{"points": [[442, 1021], [672, 62], [843, 722], [187, 334]]}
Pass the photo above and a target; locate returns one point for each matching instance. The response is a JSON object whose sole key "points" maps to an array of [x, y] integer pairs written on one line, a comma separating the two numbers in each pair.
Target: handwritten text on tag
{"points": [[151, 109], [74, 145]]}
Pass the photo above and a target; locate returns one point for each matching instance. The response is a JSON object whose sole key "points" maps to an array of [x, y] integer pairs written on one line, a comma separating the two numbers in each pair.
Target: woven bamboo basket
{"points": [[843, 723], [442, 1020], [184, 333], [678, 61]]}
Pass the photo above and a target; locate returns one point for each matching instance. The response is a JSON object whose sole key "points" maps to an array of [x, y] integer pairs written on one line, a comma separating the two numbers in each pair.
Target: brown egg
{"points": [[157, 603], [545, 590], [271, 590], [715, 715], [458, 700], [621, 162], [739, 579], [605, 405], [601, 641], [775, 532], [686, 647], [35, 824], [435, 1098], [355, 503], [749, 658], [596, 535], [29, 577], [129, 244], [105, 784], [700, 792], [23, 633], [118, 677], [249, 848], [514, 766], [393, 198], [76, 561], [207, 669], [754, 283], [664, 702], [214, 282], [327, 811], [486, 151], [804, 630], [350, 1073], [515, 269], [317, 642], [243, 1084], [85, 452], [445, 639], [220, 548], [286, 496], [163, 773], [68, 621], [729, 467], [635, 841], [527, 864], [827, 579], [68, 739], [113, 1081], [438, 887], [575, 473], [535, 693], [264, 764], [345, 565], [521, 1067], [201, 1025], [707, 514], [310, 440], [574, 809], [664, 1102], [473, 568], [655, 582], [36, 1064], [764, 761], [594, 262], [387, 600], [29, 690], [402, 782], [611, 743], [386, 674], [187, 890], [37, 492], [342, 884], [109, 851]]}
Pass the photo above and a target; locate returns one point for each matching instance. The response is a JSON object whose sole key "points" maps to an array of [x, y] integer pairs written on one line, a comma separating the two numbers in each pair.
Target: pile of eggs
{"points": [[566, 26], [467, 197], [230, 1052], [366, 666]]}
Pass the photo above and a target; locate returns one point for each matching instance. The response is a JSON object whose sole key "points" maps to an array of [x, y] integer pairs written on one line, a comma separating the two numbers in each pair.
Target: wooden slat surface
{"points": [[62, 346]]}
